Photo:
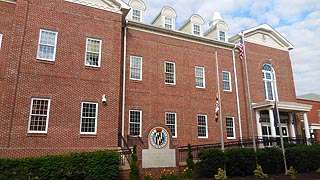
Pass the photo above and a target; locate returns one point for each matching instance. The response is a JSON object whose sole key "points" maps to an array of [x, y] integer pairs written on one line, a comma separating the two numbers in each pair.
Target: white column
{"points": [[259, 129], [273, 129], [292, 129], [306, 127]]}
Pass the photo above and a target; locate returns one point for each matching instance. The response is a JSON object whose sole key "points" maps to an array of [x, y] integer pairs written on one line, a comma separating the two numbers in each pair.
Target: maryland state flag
{"points": [[217, 108]]}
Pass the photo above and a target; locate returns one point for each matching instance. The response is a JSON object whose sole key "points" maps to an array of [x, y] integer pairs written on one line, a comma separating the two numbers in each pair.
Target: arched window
{"points": [[268, 78]]}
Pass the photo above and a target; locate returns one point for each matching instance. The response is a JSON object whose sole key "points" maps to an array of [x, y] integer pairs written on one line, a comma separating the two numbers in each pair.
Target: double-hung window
{"points": [[93, 52], [136, 15], [135, 68], [171, 122], [202, 126], [196, 29], [47, 45], [135, 122], [89, 117], [222, 36], [168, 23], [39, 115], [230, 128], [200, 77], [226, 79], [268, 82], [170, 72]]}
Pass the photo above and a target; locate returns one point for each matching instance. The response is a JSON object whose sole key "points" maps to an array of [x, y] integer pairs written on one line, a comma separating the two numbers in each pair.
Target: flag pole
{"points": [[279, 123], [248, 91], [220, 115]]}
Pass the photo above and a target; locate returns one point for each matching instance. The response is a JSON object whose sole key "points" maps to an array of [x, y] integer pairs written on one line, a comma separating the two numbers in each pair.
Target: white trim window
{"points": [[136, 68], [222, 36], [230, 128], [170, 72], [89, 118], [268, 82], [1, 40], [47, 45], [171, 122], [39, 115], [93, 52], [200, 77], [202, 126], [136, 15], [196, 29], [168, 23], [135, 125], [226, 79]]}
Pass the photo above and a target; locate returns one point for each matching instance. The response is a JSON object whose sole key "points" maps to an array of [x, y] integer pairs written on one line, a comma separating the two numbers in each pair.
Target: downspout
{"points": [[124, 75], [237, 92]]}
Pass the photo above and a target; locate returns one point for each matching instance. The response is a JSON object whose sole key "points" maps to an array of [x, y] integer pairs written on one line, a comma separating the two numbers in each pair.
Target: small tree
{"points": [[189, 160], [134, 168]]}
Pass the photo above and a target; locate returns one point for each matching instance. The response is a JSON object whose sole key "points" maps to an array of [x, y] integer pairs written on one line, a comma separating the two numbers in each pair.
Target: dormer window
{"points": [[136, 15], [222, 36], [196, 29], [168, 22]]}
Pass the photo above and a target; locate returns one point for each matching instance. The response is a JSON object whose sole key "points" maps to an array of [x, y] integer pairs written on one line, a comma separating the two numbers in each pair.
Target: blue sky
{"points": [[297, 20]]}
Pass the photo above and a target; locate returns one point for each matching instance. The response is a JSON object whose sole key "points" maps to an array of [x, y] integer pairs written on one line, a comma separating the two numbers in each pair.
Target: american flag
{"points": [[217, 108], [241, 48]]}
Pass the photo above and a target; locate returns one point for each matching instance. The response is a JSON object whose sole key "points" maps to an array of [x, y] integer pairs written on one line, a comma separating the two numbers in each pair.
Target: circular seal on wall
{"points": [[158, 137]]}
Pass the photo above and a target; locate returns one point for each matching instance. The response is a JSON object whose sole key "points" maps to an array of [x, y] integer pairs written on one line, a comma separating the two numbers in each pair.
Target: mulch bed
{"points": [[300, 176]]}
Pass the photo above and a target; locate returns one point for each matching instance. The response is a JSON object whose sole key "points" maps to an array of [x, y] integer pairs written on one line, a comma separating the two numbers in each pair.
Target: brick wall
{"points": [[66, 81]]}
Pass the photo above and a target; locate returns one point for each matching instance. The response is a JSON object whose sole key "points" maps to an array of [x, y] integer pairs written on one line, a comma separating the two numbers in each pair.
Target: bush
{"points": [[221, 175], [93, 165], [167, 174], [292, 173], [210, 161], [241, 161], [271, 159], [134, 168], [258, 173], [303, 158]]}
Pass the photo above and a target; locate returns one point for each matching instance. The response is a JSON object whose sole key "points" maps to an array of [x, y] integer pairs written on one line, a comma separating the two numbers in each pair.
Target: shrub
{"points": [[221, 175], [241, 161], [258, 173], [303, 158], [189, 160], [271, 159], [147, 176], [168, 175], [187, 174], [292, 173], [93, 165], [318, 171], [210, 161], [134, 168]]}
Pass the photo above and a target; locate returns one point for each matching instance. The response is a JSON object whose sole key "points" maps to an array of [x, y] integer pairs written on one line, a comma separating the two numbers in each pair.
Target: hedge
{"points": [[303, 158], [210, 161], [86, 165], [241, 161], [271, 160]]}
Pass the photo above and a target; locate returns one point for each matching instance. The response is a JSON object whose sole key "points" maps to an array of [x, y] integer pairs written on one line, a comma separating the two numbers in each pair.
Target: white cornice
{"points": [[282, 105], [103, 5], [179, 35]]}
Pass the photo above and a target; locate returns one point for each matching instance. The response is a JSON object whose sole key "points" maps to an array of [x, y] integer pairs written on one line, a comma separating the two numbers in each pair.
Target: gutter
{"points": [[237, 92]]}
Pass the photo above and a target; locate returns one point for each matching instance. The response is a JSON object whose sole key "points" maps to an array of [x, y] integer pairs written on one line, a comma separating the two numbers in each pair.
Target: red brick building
{"points": [[74, 74], [314, 114]]}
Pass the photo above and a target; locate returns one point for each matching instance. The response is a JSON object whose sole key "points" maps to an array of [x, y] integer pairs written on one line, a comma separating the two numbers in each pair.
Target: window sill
{"points": [[34, 134], [46, 61], [97, 68], [88, 135]]}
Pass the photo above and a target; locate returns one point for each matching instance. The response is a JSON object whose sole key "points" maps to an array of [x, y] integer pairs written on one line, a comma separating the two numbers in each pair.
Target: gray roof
{"points": [[309, 97]]}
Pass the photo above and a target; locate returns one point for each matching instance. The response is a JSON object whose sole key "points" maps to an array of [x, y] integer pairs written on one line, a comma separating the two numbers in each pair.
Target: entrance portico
{"points": [[268, 128]]}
